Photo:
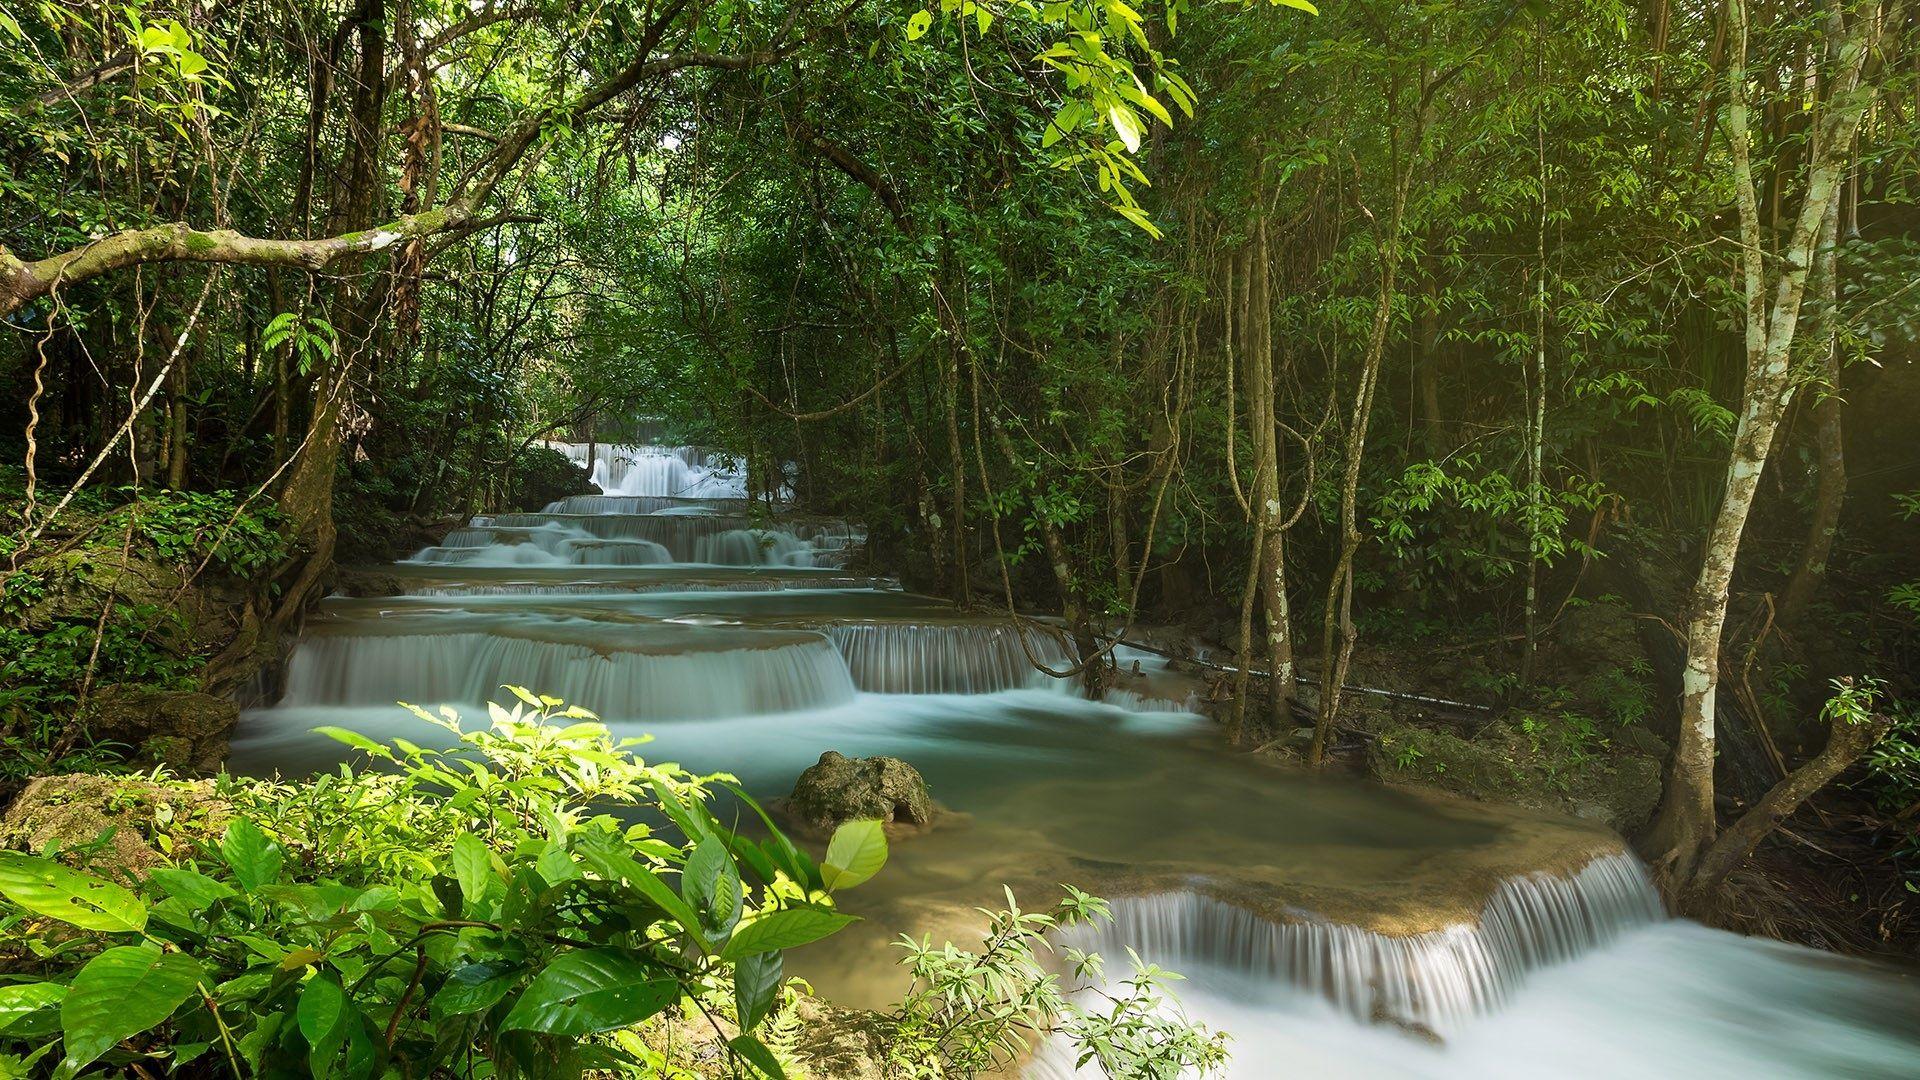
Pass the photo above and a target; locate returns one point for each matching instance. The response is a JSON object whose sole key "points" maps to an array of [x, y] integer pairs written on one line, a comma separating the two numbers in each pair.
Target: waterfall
{"points": [[656, 471], [1434, 980], [643, 504], [945, 658], [798, 672], [556, 539], [456, 587]]}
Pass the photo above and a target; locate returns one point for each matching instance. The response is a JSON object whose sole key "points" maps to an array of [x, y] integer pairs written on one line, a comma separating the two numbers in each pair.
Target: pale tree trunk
{"points": [[1830, 459], [1270, 542], [1338, 636], [1686, 823]]}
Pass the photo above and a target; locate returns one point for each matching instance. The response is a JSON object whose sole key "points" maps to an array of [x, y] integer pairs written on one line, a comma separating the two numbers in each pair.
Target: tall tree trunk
{"points": [[1338, 636], [1686, 823], [1270, 540], [1830, 488]]}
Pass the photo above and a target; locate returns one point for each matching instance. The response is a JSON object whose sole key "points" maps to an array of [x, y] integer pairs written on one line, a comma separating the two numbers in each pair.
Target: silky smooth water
{"points": [[1335, 927]]}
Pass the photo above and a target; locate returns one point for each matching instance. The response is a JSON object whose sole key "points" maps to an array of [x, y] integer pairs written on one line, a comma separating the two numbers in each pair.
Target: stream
{"points": [[1335, 927]]}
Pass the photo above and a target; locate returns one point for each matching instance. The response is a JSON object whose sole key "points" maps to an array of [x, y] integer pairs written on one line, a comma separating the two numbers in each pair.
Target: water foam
{"points": [[1434, 980], [377, 669]]}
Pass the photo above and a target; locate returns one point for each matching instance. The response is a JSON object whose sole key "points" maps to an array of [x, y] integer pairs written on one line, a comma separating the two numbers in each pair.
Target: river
{"points": [[1333, 926]]}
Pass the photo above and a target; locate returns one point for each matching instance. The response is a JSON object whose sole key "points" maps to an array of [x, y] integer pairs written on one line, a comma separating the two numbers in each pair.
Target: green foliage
{"points": [[972, 1012], [494, 909], [1466, 526]]}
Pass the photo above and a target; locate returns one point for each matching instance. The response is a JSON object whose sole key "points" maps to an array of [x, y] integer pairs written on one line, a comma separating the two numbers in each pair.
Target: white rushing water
{"points": [[1433, 981], [665, 606]]}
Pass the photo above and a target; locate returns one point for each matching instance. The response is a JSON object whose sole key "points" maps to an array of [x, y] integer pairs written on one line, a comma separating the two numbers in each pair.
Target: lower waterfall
{"points": [[1434, 980]]}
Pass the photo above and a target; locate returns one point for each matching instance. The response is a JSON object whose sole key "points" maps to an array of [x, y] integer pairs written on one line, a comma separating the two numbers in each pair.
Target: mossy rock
{"points": [[181, 729], [1617, 784], [838, 789], [146, 823], [840, 1044]]}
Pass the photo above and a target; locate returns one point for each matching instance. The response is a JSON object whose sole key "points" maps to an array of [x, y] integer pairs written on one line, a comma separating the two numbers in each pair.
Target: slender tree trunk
{"points": [[1338, 636], [1830, 489], [1270, 542], [1427, 370], [1686, 823]]}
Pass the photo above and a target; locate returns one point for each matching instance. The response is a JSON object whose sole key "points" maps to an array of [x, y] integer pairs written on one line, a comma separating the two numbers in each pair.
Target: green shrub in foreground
{"points": [[482, 912], [475, 913]]}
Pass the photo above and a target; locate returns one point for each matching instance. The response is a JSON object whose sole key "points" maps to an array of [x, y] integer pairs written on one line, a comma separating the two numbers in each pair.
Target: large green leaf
{"points": [[323, 1013], [25, 999], [591, 990], [475, 988], [756, 979], [45, 887], [254, 859], [857, 852], [121, 993], [472, 868], [784, 930], [756, 1052], [616, 866], [711, 884]]}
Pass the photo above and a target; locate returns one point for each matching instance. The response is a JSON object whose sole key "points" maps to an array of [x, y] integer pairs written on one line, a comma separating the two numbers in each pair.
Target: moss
{"points": [[115, 824], [1560, 762], [199, 243]]}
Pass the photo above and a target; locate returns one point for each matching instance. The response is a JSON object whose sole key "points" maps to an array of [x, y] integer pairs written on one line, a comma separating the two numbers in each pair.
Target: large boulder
{"points": [[119, 824], [838, 789], [181, 729]]}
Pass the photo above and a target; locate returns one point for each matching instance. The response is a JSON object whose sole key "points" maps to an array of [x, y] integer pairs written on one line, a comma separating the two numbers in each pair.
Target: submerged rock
{"points": [[145, 823], [181, 729], [838, 789]]}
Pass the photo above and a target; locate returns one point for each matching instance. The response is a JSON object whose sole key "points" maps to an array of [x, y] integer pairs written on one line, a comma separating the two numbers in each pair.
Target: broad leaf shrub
{"points": [[491, 910], [522, 904]]}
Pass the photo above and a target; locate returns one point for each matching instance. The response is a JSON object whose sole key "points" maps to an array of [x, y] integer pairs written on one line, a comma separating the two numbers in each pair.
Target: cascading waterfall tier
{"points": [[1433, 980], [620, 539], [764, 672], [656, 470], [946, 658]]}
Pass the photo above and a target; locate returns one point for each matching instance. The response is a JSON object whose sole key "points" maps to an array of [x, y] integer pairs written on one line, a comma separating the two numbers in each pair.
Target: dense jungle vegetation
{"points": [[1336, 336]]}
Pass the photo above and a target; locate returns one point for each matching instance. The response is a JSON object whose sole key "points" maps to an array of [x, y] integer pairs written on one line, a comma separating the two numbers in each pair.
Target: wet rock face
{"points": [[839, 789], [72, 813], [183, 730]]}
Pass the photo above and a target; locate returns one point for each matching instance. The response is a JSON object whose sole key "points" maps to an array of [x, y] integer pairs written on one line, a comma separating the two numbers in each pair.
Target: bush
{"points": [[478, 912], [483, 912]]}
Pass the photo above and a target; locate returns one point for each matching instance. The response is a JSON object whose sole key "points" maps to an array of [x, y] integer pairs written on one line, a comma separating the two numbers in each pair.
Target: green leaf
{"points": [[340, 734], [618, 865], [472, 868], [711, 884], [323, 1014], [46, 888], [591, 990], [121, 993], [917, 24], [198, 889], [857, 852], [784, 930], [475, 988], [254, 859], [1298, 5], [25, 999], [757, 1053], [756, 979]]}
